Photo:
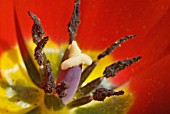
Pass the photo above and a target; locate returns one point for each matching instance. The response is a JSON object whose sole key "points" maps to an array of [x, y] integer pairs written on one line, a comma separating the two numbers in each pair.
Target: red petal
{"points": [[153, 47], [151, 89], [54, 17], [7, 25]]}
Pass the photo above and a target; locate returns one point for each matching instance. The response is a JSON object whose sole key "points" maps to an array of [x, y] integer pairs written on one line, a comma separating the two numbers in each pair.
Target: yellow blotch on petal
{"points": [[13, 69]]}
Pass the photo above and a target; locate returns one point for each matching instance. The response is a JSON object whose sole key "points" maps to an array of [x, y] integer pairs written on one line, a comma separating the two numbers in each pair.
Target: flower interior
{"points": [[68, 86]]}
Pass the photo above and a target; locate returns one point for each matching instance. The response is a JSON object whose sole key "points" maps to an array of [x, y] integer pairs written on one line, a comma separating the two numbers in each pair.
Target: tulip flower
{"points": [[80, 57]]}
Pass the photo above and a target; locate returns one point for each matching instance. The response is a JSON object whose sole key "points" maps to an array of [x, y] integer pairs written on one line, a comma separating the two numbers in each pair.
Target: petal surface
{"points": [[151, 89], [152, 47]]}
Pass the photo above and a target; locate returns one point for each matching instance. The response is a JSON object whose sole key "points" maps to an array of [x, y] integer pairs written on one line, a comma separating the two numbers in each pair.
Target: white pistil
{"points": [[75, 57]]}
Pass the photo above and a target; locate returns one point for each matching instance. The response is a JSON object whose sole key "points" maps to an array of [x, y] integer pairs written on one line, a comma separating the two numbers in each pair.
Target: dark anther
{"points": [[42, 42], [37, 29], [39, 56], [74, 22], [114, 46], [47, 78], [101, 93], [118, 66], [48, 81], [60, 89]]}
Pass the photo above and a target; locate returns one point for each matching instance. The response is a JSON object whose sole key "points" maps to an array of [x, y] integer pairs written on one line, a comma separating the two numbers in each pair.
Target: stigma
{"points": [[76, 57]]}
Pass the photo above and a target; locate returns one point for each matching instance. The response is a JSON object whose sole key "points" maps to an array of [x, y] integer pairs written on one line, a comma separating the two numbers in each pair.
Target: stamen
{"points": [[47, 77], [114, 46], [37, 29], [101, 93], [60, 89], [39, 55], [75, 21], [111, 70]]}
